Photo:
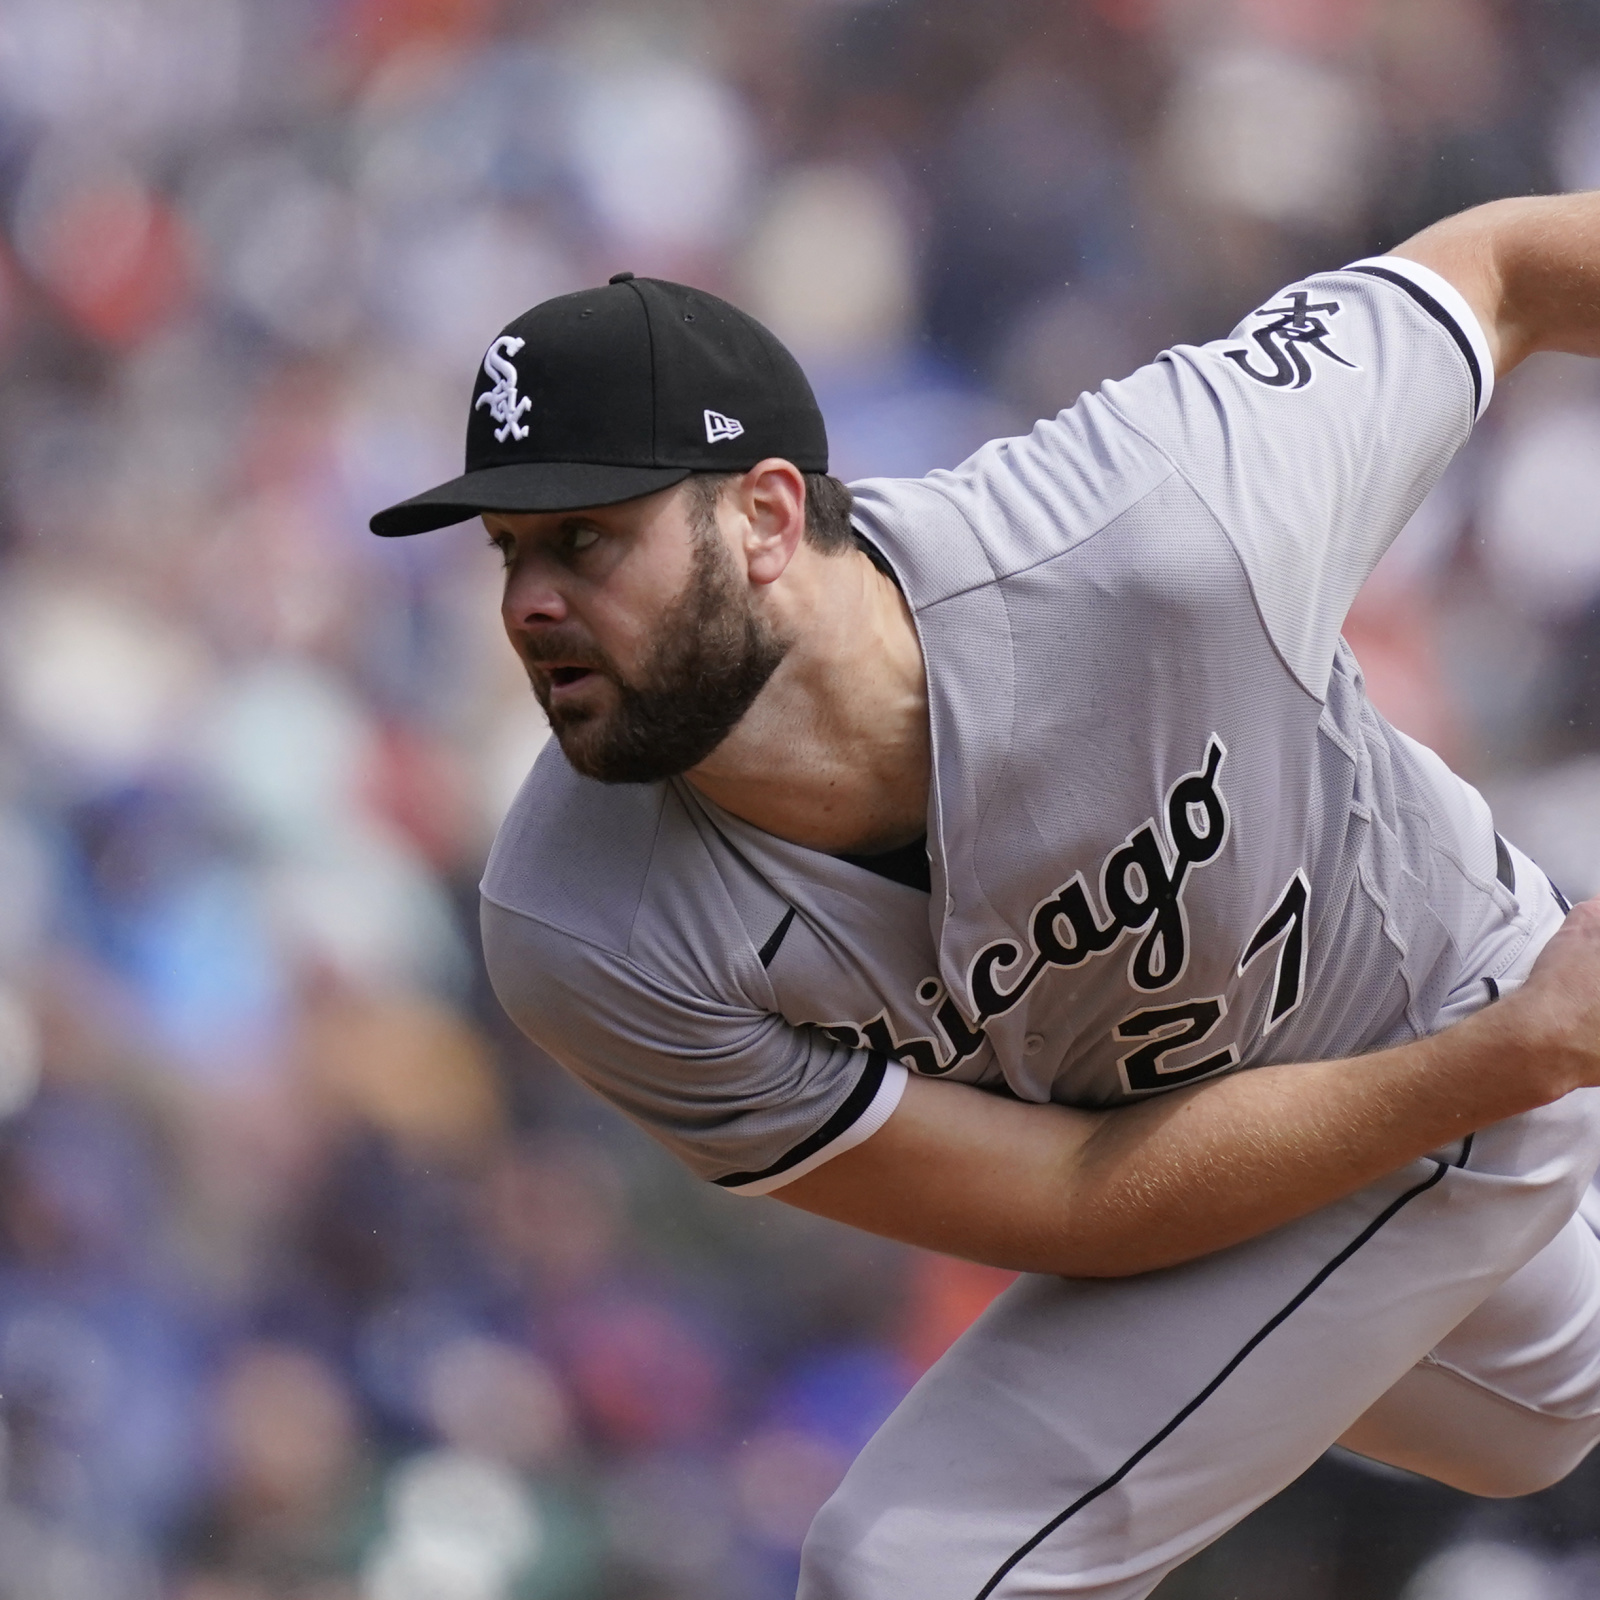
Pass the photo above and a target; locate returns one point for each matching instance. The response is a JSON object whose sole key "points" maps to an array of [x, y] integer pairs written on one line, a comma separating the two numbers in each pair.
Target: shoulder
{"points": [[575, 854], [1014, 504], [1320, 363], [587, 877]]}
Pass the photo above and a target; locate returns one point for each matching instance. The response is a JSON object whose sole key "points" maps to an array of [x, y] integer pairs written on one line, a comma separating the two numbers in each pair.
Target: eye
{"points": [[582, 538], [500, 543]]}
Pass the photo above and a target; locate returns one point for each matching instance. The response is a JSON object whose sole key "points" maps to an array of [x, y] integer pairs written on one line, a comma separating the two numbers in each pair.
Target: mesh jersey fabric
{"points": [[1168, 833]]}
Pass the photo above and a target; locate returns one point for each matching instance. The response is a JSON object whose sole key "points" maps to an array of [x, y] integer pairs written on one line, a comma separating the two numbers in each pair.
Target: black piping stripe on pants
{"points": [[1386, 1215]]}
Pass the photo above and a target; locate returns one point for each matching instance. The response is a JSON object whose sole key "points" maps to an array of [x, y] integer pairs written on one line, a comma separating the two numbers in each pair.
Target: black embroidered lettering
{"points": [[1069, 908], [1136, 879], [964, 1041], [918, 1054], [1141, 886], [1174, 1028], [1195, 797], [1286, 921], [988, 999], [960, 1040]]}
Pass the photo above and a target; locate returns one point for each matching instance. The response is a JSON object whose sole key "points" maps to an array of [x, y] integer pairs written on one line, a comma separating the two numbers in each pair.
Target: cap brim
{"points": [[523, 486]]}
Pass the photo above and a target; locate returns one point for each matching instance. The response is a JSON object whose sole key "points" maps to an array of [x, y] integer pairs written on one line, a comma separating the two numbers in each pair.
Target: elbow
{"points": [[1097, 1265], [1107, 1255]]}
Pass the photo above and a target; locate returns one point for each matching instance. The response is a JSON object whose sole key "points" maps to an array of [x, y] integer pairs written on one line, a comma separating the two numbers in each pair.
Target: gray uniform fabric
{"points": [[1168, 835]]}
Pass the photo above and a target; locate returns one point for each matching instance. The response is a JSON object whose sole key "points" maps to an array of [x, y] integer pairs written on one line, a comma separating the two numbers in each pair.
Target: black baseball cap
{"points": [[609, 393]]}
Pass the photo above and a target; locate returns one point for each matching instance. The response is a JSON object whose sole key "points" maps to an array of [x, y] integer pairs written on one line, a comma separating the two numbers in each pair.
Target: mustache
{"points": [[568, 649]]}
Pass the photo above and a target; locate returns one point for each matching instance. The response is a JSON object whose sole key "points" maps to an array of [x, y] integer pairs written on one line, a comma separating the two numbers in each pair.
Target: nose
{"points": [[532, 596]]}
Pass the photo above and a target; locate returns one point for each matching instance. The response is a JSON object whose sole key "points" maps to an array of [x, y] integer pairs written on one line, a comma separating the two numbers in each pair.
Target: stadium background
{"points": [[315, 1284]]}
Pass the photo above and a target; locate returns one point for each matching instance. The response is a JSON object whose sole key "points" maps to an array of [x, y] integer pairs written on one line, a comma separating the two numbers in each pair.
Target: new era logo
{"points": [[719, 427]]}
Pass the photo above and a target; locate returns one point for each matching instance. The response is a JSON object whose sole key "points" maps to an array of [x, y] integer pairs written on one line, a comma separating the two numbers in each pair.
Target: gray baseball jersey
{"points": [[1168, 834]]}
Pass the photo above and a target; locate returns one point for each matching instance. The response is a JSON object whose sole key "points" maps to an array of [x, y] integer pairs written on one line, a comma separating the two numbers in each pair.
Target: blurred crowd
{"points": [[316, 1282]]}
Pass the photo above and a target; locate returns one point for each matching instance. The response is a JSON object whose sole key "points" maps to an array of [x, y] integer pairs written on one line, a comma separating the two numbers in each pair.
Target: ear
{"points": [[771, 498]]}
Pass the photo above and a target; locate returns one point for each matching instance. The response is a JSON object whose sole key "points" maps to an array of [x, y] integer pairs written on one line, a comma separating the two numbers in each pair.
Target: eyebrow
{"points": [[566, 525]]}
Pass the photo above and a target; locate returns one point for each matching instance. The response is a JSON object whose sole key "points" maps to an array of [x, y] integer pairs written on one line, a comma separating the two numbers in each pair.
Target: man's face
{"points": [[636, 626]]}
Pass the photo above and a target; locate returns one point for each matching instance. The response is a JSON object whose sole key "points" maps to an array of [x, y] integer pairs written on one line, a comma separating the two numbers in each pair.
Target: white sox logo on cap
{"points": [[599, 396], [504, 405]]}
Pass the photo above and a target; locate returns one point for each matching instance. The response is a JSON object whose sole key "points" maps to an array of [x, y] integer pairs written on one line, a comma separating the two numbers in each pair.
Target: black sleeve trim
{"points": [[1443, 318], [859, 1098]]}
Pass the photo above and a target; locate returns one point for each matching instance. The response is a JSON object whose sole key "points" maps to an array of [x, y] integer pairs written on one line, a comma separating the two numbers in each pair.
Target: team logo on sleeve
{"points": [[1297, 332]]}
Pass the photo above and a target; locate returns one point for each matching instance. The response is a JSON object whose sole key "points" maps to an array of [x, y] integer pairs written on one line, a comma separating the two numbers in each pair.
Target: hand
{"points": [[1556, 1012]]}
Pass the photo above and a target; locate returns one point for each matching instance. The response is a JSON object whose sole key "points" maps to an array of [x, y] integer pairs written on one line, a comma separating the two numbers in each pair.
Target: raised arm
{"points": [[1108, 1194], [1530, 269]]}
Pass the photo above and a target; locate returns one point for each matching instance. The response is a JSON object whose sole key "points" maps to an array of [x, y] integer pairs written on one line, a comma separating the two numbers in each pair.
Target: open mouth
{"points": [[561, 677]]}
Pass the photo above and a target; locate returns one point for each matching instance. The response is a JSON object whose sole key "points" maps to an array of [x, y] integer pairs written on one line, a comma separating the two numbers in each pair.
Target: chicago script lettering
{"points": [[1141, 888]]}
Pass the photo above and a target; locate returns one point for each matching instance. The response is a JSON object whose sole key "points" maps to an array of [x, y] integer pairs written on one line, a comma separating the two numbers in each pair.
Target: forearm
{"points": [[1529, 268], [1107, 1194], [1172, 1179]]}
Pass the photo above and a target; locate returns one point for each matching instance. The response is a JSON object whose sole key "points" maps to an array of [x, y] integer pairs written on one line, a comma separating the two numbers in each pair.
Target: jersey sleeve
{"points": [[1314, 431], [741, 1096]]}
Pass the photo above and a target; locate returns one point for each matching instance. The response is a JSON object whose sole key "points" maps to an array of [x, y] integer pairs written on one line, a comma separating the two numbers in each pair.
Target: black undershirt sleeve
{"points": [[907, 865]]}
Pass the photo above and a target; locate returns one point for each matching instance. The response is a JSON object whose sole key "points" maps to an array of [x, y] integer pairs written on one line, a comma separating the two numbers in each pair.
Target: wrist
{"points": [[1515, 1055]]}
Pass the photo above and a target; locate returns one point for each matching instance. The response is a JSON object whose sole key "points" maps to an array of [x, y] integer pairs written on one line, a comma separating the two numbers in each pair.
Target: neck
{"points": [[835, 753]]}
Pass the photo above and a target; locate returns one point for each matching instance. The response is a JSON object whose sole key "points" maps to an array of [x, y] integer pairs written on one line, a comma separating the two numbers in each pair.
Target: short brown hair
{"points": [[827, 506]]}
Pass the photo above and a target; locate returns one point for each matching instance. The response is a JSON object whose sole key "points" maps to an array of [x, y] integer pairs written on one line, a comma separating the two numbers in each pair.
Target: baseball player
{"points": [[938, 864]]}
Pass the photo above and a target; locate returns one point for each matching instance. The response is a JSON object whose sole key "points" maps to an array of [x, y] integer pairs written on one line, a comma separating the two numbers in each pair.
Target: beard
{"points": [[709, 656]]}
